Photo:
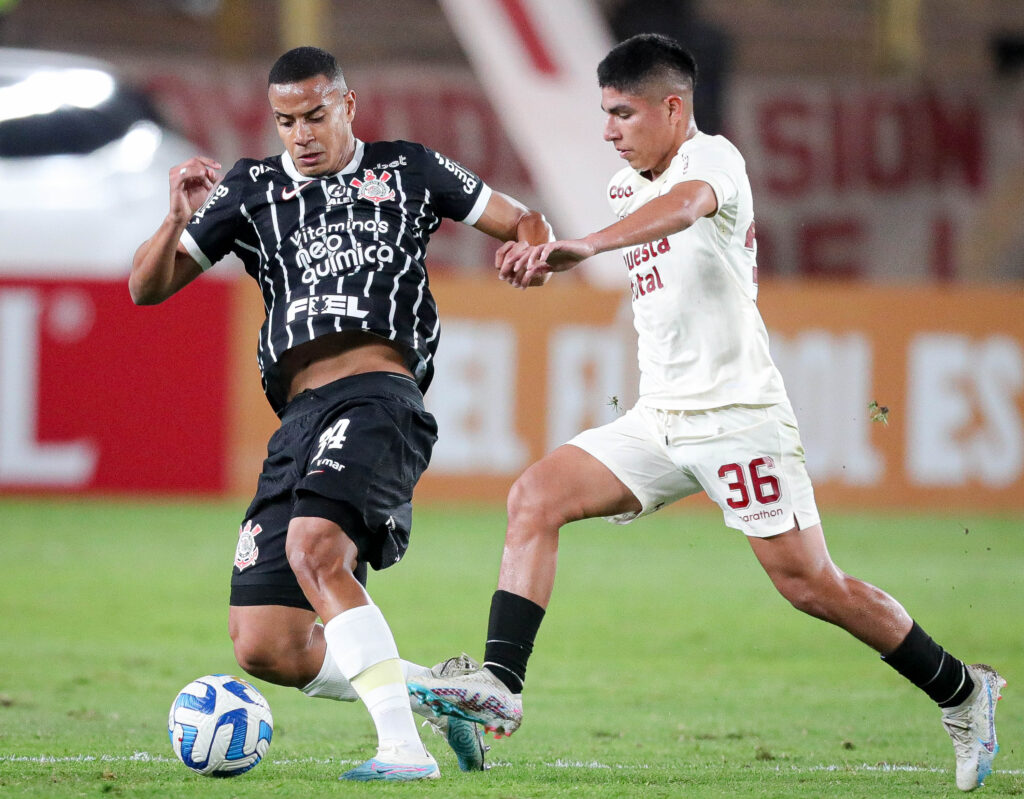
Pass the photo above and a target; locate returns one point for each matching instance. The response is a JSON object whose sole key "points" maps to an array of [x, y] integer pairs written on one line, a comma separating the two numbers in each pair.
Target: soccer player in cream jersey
{"points": [[712, 414]]}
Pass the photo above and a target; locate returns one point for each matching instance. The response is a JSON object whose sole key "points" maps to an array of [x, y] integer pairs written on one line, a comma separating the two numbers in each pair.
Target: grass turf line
{"points": [[667, 664]]}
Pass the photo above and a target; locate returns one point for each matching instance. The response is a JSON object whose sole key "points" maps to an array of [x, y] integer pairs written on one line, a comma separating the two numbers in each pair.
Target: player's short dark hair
{"points": [[302, 63], [633, 64]]}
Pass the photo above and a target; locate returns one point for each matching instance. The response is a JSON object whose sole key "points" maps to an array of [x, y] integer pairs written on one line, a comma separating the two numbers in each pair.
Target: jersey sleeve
{"points": [[714, 163], [212, 230], [456, 192]]}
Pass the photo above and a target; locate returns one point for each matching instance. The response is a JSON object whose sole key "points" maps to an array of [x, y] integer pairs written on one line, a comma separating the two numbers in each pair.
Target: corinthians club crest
{"points": [[247, 551], [373, 188]]}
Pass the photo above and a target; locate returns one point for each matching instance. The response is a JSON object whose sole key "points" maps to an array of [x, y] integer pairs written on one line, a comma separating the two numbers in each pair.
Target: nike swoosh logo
{"points": [[990, 744], [287, 194]]}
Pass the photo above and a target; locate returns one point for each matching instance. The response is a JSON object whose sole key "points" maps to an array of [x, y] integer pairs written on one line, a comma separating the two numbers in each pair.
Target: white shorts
{"points": [[747, 458]]}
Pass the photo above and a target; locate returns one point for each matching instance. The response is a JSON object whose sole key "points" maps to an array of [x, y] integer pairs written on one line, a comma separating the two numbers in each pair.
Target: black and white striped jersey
{"points": [[342, 252]]}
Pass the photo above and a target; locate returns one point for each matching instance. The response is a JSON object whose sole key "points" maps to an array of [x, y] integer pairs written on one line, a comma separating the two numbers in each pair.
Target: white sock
{"points": [[330, 683], [410, 670], [413, 670], [360, 642]]}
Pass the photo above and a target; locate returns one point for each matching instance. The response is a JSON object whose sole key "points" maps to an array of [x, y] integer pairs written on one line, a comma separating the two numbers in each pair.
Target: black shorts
{"points": [[351, 452]]}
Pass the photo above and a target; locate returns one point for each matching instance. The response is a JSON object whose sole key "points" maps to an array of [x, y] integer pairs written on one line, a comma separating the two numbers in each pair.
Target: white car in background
{"points": [[83, 166]]}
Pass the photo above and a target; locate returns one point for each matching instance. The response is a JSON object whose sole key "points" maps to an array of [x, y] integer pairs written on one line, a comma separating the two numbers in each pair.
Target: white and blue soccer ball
{"points": [[220, 726]]}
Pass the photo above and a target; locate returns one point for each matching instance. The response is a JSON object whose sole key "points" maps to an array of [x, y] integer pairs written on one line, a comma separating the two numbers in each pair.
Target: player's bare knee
{"points": [[254, 657], [543, 493], [828, 596], [267, 656], [519, 498], [806, 595], [532, 506]]}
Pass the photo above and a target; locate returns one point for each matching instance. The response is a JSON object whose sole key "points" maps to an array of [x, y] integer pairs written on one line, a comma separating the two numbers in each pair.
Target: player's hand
{"points": [[539, 262], [511, 260], [190, 186], [509, 256]]}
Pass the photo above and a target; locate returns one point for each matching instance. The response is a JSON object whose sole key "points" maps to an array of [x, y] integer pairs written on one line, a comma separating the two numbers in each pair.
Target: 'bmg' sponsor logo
{"points": [[218, 193], [469, 182]]}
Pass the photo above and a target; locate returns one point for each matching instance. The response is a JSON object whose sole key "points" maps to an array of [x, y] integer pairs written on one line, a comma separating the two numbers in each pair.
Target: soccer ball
{"points": [[220, 726]]}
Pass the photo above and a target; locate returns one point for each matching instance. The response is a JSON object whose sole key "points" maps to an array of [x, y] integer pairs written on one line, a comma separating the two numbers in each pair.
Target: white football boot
{"points": [[392, 765], [464, 737], [474, 695], [972, 726]]}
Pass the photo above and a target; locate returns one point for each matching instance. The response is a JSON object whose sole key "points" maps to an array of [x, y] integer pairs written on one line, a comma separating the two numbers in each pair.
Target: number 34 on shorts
{"points": [[333, 438]]}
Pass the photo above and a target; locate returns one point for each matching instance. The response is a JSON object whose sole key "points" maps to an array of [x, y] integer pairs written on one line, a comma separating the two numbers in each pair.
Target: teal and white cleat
{"points": [[465, 738], [467, 742], [477, 696], [972, 726], [391, 766]]}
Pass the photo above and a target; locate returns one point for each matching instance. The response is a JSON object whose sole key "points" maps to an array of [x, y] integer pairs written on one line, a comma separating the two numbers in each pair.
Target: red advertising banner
{"points": [[99, 395]]}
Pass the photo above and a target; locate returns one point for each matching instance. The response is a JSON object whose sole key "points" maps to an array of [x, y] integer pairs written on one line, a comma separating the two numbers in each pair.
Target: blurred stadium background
{"points": [[885, 141]]}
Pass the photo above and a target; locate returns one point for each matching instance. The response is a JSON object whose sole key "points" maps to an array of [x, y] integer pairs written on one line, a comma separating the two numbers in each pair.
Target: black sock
{"points": [[931, 668], [511, 629]]}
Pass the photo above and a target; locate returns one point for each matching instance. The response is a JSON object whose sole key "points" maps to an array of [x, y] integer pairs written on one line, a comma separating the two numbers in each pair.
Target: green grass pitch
{"points": [[667, 665]]}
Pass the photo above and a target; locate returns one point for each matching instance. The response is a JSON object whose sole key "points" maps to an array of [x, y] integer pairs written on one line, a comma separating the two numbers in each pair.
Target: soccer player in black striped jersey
{"points": [[334, 230]]}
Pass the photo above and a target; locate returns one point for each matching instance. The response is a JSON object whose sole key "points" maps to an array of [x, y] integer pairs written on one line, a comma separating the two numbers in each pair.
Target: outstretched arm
{"points": [[161, 266], [683, 205], [509, 220]]}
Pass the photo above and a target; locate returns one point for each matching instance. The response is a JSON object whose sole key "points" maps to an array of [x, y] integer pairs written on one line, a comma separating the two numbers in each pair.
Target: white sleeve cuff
{"points": [[194, 251], [478, 207]]}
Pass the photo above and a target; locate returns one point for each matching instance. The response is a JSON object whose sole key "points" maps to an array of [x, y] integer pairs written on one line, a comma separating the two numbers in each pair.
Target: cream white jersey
{"points": [[701, 341]]}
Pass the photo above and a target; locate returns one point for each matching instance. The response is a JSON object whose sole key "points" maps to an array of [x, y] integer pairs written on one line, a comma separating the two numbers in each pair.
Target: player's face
{"points": [[314, 120], [642, 129]]}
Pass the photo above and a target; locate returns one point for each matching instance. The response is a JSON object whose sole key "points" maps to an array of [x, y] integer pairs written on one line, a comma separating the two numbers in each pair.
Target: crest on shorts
{"points": [[373, 188], [246, 552]]}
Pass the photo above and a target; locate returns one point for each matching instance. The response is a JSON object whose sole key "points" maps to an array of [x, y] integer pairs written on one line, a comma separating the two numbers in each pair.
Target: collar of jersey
{"points": [[294, 174]]}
